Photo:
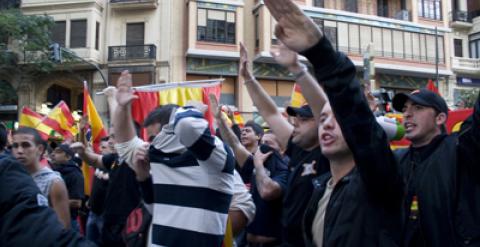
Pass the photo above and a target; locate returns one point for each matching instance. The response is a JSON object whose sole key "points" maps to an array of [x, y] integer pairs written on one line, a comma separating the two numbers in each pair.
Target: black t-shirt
{"points": [[99, 192], [304, 167], [267, 221], [123, 193]]}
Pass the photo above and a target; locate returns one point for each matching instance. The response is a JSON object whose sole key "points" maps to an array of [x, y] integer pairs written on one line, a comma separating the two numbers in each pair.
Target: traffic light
{"points": [[55, 53]]}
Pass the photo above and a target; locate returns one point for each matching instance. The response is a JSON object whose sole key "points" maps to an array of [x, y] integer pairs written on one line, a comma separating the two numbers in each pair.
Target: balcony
{"points": [[460, 19], [466, 65], [132, 52], [134, 4]]}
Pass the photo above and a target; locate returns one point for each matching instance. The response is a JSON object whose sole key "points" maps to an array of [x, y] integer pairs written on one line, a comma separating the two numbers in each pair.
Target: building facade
{"points": [[410, 42]]}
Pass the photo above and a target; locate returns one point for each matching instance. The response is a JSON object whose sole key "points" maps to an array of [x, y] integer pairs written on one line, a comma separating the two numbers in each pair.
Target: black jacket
{"points": [[25, 218], [447, 185], [73, 177], [365, 206]]}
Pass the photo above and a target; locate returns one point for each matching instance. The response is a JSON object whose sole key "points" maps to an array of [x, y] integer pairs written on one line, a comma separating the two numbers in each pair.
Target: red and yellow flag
{"points": [[95, 122], [61, 120], [297, 96], [149, 100], [32, 119]]}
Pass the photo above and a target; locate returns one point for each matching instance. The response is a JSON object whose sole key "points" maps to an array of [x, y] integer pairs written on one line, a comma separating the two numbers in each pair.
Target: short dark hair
{"points": [[160, 115], [31, 131], [255, 127]]}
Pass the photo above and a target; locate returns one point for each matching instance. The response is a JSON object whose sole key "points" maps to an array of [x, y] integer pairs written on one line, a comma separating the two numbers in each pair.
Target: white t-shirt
{"points": [[319, 220]]}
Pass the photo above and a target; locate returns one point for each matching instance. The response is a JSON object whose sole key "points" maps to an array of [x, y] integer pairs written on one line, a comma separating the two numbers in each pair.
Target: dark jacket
{"points": [[73, 177], [25, 218], [446, 179], [365, 206]]}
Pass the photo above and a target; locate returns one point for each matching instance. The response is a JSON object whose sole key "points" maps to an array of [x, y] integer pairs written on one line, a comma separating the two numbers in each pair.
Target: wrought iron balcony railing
{"points": [[123, 53]]}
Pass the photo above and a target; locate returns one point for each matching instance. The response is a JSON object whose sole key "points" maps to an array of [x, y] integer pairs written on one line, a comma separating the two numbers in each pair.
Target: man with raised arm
{"points": [[267, 173], [301, 143], [186, 173], [359, 204]]}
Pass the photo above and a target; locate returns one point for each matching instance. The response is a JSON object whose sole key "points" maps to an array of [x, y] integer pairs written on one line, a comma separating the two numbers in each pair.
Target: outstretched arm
{"points": [[365, 138], [267, 187], [122, 116], [311, 90], [265, 105], [469, 142], [241, 153], [87, 155]]}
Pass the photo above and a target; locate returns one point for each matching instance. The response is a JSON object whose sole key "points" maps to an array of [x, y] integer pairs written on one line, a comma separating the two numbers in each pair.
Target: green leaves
{"points": [[24, 38]]}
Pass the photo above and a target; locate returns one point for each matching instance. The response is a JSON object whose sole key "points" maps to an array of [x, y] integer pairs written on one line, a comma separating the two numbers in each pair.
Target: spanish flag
{"points": [[32, 119], [297, 96], [179, 93], [95, 122], [61, 120]]}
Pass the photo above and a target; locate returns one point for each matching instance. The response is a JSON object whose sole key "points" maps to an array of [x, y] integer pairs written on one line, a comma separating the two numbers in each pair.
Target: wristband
{"points": [[303, 72]]}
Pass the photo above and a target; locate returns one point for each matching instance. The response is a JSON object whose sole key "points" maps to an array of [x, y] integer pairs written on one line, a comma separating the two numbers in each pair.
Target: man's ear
{"points": [[441, 118], [41, 149]]}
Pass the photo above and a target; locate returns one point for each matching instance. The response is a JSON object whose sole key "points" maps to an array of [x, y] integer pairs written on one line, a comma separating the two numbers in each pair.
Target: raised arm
{"points": [[87, 155], [469, 142], [266, 186], [241, 153], [365, 138], [122, 116], [264, 103], [311, 90]]}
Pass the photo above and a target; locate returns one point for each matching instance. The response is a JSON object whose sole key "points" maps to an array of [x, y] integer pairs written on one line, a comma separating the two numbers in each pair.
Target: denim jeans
{"points": [[94, 227]]}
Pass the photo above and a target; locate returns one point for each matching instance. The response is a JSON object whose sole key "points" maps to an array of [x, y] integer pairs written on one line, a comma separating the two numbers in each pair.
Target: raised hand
{"points": [[287, 58], [110, 91], [216, 109], [78, 148], [259, 157], [141, 163], [244, 70], [124, 93], [296, 30]]}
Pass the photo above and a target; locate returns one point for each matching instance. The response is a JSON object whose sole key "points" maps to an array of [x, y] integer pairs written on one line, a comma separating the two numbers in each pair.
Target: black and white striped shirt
{"points": [[192, 174]]}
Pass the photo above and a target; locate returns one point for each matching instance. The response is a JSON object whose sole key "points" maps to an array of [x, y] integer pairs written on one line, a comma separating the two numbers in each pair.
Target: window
{"points": [[135, 33], [78, 33], [475, 48], [58, 33], [431, 9], [97, 36], [319, 3], [458, 47], [351, 6], [382, 8], [216, 26]]}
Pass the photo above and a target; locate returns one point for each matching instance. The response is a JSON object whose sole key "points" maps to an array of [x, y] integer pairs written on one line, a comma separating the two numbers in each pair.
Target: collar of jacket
{"points": [[420, 154], [321, 181]]}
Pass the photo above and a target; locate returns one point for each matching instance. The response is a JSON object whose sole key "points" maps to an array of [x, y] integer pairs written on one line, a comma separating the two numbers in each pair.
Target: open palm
{"points": [[124, 93], [296, 30]]}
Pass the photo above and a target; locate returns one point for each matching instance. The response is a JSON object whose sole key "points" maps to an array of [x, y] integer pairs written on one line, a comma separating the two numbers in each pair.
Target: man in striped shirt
{"points": [[186, 173]]}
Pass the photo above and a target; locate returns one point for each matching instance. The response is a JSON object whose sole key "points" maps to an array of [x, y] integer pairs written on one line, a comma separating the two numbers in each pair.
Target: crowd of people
{"points": [[324, 176]]}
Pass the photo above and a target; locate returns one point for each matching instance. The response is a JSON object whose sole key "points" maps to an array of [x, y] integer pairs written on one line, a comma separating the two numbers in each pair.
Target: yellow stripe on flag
{"points": [[297, 97], [180, 95]]}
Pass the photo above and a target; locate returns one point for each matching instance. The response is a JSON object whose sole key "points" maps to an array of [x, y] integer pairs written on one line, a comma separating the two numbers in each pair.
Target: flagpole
{"points": [[163, 86]]}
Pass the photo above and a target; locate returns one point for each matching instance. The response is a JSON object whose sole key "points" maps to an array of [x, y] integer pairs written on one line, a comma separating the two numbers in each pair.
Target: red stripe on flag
{"points": [[66, 113]]}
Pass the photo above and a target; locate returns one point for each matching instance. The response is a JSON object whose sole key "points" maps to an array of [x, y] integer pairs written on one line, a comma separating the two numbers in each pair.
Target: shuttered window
{"points": [[135, 33], [58, 33], [78, 33]]}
